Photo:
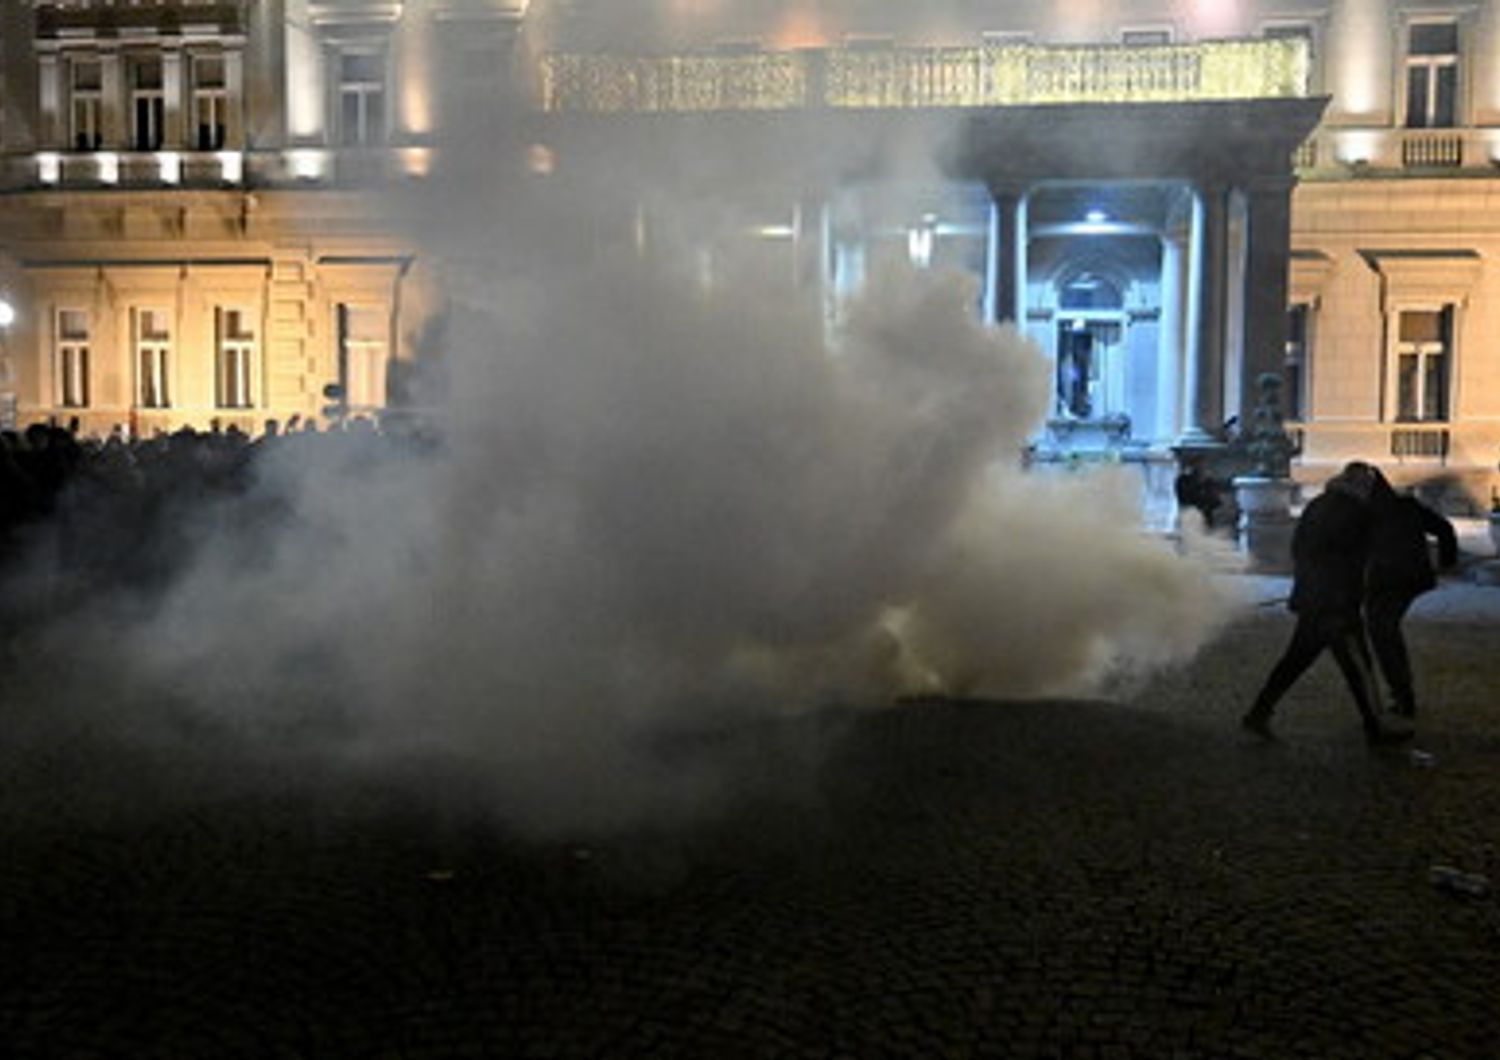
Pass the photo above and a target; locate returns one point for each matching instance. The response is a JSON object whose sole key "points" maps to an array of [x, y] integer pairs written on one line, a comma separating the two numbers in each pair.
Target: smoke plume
{"points": [[665, 499]]}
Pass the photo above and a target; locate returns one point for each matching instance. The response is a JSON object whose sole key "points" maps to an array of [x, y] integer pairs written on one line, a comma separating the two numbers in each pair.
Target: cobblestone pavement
{"points": [[1100, 880]]}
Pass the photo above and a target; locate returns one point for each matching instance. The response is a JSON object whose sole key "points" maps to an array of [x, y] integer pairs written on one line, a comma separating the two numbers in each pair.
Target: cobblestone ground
{"points": [[1135, 879]]}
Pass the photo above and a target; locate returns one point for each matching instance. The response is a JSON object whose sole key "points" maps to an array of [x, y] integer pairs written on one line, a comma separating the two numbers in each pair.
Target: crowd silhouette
{"points": [[91, 515]]}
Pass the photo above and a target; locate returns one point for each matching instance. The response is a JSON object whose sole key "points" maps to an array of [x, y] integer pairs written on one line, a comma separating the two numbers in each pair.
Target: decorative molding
{"points": [[353, 12], [1307, 275], [1418, 275]]}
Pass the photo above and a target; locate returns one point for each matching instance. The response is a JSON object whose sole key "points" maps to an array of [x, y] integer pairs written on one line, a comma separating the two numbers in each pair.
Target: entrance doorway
{"points": [[1091, 367]]}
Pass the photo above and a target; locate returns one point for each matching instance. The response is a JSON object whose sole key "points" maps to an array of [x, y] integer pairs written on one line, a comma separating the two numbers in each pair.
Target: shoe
{"points": [[1380, 736], [1260, 724]]}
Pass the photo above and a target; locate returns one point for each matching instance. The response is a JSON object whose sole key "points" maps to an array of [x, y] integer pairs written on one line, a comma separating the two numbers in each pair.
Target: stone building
{"points": [[1170, 197]]}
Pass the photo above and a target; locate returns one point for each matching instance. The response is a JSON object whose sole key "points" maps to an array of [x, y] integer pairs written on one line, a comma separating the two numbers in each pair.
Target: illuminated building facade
{"points": [[1170, 197]]}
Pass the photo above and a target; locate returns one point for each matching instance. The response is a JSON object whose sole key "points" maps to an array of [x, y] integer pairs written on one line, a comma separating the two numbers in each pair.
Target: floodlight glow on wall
{"points": [[108, 167], [49, 168], [416, 161], [540, 159], [169, 167], [1357, 148], [307, 165], [231, 167], [7, 314]]}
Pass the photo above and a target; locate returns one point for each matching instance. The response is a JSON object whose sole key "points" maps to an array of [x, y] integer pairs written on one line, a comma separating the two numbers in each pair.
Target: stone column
{"points": [[173, 100], [114, 129], [1268, 253], [53, 129], [265, 47], [1203, 379], [234, 89], [1360, 62], [1169, 359], [1483, 57]]}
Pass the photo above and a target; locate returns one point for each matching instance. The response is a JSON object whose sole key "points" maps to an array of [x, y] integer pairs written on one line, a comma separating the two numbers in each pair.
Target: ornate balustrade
{"points": [[988, 76]]}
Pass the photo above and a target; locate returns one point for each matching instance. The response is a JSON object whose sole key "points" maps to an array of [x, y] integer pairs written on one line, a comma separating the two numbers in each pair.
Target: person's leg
{"points": [[1307, 641], [1347, 642], [1384, 614]]}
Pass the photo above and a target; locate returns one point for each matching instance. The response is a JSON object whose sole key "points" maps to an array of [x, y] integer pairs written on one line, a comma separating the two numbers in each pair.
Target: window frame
{"points": [[85, 135], [363, 91], [72, 357], [356, 358], [153, 382], [236, 359], [214, 96], [1397, 350], [1430, 65], [150, 134]]}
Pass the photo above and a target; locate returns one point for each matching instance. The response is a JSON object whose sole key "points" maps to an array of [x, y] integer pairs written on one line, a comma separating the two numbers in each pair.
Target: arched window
{"points": [[1089, 290]]}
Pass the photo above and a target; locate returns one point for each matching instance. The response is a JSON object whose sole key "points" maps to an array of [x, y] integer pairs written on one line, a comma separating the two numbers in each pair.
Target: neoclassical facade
{"points": [[1171, 198]]}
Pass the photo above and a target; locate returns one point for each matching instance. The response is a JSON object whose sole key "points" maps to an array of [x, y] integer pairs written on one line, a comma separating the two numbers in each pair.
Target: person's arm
{"points": [[1439, 527]]}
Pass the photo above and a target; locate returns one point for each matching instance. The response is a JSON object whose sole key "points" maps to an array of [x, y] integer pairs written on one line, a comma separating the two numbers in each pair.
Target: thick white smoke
{"points": [[661, 503]]}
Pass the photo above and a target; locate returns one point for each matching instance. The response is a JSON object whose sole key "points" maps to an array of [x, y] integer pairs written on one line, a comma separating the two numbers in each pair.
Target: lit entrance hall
{"points": [[1098, 272], [1143, 248]]}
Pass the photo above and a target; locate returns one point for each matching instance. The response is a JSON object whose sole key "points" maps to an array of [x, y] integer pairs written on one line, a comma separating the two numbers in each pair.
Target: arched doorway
{"points": [[1091, 366]]}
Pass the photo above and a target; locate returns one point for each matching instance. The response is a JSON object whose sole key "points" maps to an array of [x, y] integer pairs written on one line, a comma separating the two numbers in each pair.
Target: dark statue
{"points": [[1267, 444]]}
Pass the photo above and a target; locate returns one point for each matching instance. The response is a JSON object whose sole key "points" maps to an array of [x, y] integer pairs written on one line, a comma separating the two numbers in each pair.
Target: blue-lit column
{"points": [[1169, 358], [1203, 378], [1005, 257]]}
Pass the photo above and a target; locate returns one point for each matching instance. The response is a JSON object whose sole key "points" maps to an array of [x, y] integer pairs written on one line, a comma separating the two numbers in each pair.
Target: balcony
{"points": [[1432, 149], [1340, 151], [1420, 443], [1002, 75], [93, 169]]}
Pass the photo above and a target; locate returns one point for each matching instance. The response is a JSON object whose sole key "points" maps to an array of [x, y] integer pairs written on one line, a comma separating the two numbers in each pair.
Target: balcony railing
{"points": [[1423, 443], [900, 78], [1432, 150]]}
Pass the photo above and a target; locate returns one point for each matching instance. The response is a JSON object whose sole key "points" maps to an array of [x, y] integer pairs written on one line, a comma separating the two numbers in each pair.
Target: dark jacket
{"points": [[1329, 549], [1399, 558]]}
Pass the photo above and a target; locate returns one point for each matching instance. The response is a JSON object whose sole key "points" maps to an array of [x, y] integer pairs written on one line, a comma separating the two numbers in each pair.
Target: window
{"points": [[73, 358], [1431, 75], [153, 348], [236, 347], [364, 343], [147, 104], [1085, 290], [210, 102], [86, 88], [1294, 367], [1423, 356], [361, 98]]}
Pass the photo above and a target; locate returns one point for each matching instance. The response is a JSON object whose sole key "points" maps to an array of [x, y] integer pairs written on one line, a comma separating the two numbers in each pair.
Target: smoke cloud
{"points": [[664, 501]]}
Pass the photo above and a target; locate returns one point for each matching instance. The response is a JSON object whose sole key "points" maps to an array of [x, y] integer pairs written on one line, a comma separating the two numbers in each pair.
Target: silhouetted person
{"points": [[1400, 570], [1195, 488], [1330, 547]]}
